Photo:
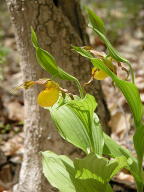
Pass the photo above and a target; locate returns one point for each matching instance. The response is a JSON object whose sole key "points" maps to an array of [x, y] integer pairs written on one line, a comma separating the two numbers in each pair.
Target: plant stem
{"points": [[81, 91], [131, 71]]}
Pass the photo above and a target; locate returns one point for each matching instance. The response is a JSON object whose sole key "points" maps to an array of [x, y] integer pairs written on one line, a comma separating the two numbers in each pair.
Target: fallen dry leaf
{"points": [[15, 111], [120, 124], [14, 145], [125, 177], [2, 189]]}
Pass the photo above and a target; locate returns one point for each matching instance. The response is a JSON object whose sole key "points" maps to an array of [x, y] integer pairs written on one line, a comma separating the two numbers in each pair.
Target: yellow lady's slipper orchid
{"points": [[49, 96], [46, 98], [100, 74]]}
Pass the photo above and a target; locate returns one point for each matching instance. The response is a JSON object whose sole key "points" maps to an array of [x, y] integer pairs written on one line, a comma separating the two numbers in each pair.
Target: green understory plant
{"points": [[76, 121]]}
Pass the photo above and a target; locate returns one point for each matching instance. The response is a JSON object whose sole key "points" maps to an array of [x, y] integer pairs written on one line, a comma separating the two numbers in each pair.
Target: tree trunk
{"points": [[58, 24]]}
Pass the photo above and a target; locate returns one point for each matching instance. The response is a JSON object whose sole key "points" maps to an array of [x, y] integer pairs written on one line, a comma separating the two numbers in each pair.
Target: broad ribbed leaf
{"points": [[109, 188], [98, 168], [112, 149], [84, 109], [97, 136], [71, 128], [60, 172], [78, 124]]}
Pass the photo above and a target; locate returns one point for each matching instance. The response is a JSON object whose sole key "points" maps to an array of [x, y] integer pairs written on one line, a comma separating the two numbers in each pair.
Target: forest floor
{"points": [[126, 31]]}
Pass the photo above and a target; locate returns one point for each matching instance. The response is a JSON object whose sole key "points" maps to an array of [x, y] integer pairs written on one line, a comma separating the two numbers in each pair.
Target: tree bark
{"points": [[58, 24]]}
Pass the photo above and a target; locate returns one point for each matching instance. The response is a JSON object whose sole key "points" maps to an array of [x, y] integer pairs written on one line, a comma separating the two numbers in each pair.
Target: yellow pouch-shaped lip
{"points": [[98, 74], [48, 97]]}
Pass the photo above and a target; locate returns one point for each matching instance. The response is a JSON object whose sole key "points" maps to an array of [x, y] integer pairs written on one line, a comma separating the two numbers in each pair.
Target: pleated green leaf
{"points": [[98, 168], [60, 172], [84, 109], [97, 136], [112, 149], [77, 123], [71, 127]]}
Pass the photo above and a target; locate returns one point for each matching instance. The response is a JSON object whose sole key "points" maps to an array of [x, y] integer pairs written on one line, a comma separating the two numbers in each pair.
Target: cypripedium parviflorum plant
{"points": [[77, 122], [50, 93]]}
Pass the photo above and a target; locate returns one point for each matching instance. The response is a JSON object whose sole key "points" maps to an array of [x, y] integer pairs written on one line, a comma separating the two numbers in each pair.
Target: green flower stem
{"points": [[81, 91], [131, 71]]}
